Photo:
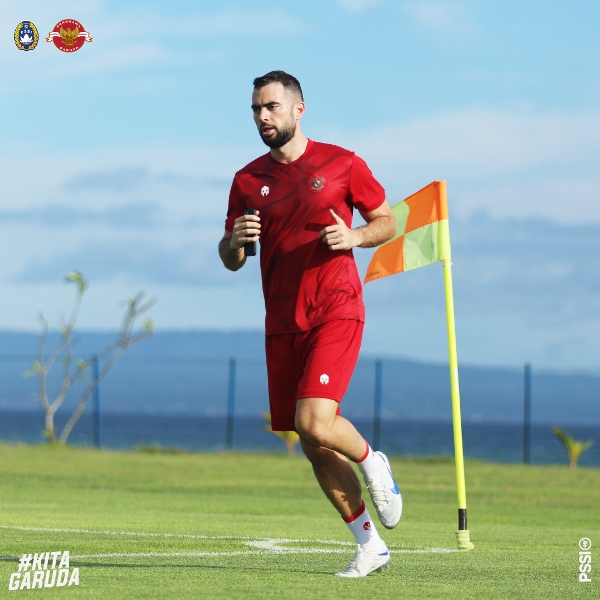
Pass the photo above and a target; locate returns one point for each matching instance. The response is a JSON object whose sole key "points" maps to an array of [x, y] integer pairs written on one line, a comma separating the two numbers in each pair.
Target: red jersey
{"points": [[305, 284]]}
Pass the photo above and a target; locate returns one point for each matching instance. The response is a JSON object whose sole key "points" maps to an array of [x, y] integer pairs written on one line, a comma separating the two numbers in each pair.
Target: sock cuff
{"points": [[364, 456], [356, 514]]}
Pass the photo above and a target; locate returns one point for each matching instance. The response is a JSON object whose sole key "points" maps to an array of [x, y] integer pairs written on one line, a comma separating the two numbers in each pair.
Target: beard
{"points": [[282, 136]]}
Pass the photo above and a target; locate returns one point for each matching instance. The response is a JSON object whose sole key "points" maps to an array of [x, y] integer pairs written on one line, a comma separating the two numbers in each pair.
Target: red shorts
{"points": [[311, 364]]}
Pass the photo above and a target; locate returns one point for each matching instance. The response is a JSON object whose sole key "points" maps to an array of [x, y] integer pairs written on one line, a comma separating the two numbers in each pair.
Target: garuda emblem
{"points": [[69, 35], [317, 182]]}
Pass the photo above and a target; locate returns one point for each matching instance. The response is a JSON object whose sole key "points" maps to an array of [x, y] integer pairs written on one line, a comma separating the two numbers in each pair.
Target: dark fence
{"points": [[402, 407]]}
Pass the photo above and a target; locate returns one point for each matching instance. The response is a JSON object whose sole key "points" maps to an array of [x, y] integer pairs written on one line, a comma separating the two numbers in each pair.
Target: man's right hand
{"points": [[245, 229]]}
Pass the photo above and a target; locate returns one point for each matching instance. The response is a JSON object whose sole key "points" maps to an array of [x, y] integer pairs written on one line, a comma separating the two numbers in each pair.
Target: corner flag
{"points": [[422, 238], [422, 235]]}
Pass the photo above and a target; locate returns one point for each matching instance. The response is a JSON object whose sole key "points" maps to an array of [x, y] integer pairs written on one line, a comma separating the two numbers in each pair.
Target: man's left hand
{"points": [[339, 236]]}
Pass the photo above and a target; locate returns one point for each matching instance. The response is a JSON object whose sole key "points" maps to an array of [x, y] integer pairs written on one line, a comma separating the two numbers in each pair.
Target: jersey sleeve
{"points": [[236, 205], [365, 192]]}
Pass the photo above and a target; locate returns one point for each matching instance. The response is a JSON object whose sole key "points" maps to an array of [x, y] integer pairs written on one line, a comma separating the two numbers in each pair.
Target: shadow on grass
{"points": [[248, 568], [164, 565]]}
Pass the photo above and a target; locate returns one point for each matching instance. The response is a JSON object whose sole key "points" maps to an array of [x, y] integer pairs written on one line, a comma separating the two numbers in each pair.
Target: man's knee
{"points": [[313, 431], [314, 420]]}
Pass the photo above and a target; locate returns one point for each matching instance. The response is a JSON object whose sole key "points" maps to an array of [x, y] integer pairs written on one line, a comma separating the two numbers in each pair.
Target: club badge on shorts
{"points": [[68, 35], [316, 182], [26, 36]]}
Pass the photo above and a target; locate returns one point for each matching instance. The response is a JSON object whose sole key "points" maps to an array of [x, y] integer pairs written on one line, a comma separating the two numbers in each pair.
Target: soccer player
{"points": [[304, 193]]}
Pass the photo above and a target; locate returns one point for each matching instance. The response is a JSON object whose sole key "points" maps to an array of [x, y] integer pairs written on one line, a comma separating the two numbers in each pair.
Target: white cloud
{"points": [[492, 140], [120, 180], [35, 178], [112, 59], [94, 57], [441, 16], [138, 258], [510, 162], [574, 199], [357, 6], [266, 23]]}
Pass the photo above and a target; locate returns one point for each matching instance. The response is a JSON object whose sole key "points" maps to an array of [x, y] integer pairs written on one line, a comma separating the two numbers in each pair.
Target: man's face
{"points": [[274, 114]]}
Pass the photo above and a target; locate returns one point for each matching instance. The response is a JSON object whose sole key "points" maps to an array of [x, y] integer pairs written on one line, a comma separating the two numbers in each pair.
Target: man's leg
{"points": [[305, 365], [330, 353], [336, 478], [319, 426]]}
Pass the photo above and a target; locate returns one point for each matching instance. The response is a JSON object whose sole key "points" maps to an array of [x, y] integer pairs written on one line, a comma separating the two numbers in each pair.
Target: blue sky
{"points": [[116, 160]]}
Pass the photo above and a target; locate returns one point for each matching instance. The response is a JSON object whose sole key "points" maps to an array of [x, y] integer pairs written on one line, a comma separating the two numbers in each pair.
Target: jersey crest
{"points": [[317, 182]]}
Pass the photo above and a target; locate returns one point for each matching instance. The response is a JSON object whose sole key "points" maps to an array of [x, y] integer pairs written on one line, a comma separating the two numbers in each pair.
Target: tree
{"points": [[574, 447], [74, 370]]}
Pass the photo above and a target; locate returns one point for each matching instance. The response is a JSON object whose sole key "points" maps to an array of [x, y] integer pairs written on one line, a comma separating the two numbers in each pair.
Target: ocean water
{"points": [[491, 441]]}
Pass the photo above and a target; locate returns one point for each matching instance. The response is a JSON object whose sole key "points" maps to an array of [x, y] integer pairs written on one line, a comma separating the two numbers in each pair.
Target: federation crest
{"points": [[69, 35], [26, 36], [316, 182]]}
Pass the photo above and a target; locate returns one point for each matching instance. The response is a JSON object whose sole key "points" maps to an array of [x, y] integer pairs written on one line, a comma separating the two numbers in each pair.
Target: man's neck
{"points": [[293, 150]]}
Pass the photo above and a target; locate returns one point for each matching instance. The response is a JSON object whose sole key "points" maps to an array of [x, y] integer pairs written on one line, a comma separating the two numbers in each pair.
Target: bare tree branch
{"points": [[72, 373]]}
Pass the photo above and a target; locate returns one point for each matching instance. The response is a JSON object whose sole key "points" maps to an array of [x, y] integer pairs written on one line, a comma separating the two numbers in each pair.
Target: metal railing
{"points": [[383, 391]]}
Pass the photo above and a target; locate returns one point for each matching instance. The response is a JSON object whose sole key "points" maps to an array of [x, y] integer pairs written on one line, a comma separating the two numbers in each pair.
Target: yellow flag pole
{"points": [[462, 534]]}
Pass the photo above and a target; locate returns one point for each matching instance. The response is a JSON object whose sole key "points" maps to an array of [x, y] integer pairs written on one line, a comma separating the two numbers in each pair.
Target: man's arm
{"points": [[232, 259], [231, 247], [380, 227]]}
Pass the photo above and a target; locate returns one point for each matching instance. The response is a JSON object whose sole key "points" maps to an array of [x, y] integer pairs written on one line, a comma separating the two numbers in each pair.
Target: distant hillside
{"points": [[205, 343], [188, 372]]}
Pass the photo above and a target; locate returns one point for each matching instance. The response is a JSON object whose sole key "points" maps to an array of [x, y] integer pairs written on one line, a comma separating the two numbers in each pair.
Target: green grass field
{"points": [[141, 525]]}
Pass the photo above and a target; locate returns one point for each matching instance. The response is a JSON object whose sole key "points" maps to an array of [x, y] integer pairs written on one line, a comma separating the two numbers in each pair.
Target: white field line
{"points": [[201, 554], [264, 545], [172, 535]]}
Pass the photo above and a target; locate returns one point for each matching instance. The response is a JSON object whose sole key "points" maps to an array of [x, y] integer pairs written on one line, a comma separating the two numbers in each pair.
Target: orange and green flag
{"points": [[422, 235]]}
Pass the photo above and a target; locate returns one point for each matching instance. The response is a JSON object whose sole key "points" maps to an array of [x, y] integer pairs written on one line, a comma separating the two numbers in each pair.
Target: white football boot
{"points": [[366, 562], [385, 495]]}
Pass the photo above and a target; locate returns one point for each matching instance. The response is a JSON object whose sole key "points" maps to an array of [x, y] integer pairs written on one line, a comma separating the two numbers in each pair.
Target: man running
{"points": [[304, 193]]}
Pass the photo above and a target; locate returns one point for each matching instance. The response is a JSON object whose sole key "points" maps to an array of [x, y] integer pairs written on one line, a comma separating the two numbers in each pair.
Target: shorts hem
{"points": [[337, 398]]}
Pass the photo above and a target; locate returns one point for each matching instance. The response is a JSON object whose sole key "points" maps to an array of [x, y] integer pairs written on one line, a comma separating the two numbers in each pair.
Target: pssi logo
{"points": [[26, 36], [585, 560]]}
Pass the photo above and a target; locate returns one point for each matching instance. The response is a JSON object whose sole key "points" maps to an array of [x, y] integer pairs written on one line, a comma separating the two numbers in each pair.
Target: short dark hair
{"points": [[289, 82]]}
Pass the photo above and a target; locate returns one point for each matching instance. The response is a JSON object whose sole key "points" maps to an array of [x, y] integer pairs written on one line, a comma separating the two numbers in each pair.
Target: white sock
{"points": [[363, 529], [370, 464]]}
